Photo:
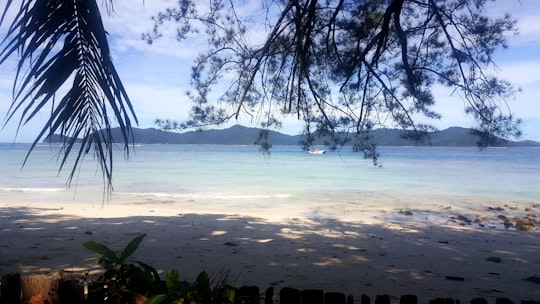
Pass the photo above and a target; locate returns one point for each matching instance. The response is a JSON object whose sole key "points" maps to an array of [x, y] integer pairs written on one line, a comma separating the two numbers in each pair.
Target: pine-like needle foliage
{"points": [[346, 65]]}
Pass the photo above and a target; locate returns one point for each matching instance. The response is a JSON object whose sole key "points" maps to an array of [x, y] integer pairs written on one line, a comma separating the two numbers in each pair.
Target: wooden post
{"points": [[479, 301], [269, 296], [45, 286], [443, 301], [71, 291], [365, 299], [288, 295], [312, 296], [10, 290], [408, 299], [382, 299], [335, 298]]}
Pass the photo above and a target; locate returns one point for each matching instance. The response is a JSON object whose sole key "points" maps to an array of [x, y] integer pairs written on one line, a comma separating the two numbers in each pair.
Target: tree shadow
{"points": [[394, 258]]}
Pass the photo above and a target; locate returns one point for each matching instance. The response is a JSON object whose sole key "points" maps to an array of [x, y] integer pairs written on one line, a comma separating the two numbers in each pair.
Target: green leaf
{"points": [[203, 279], [173, 280], [202, 285], [156, 299], [131, 247], [229, 293], [151, 271], [101, 249]]}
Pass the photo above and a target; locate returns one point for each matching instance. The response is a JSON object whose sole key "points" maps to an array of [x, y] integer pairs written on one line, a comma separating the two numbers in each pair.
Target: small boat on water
{"points": [[316, 151]]}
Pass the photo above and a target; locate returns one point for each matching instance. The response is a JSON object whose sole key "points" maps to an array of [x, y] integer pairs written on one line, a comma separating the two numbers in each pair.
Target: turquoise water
{"points": [[243, 176]]}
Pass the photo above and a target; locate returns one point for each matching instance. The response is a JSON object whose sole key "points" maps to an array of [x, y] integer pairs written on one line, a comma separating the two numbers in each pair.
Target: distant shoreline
{"points": [[240, 135]]}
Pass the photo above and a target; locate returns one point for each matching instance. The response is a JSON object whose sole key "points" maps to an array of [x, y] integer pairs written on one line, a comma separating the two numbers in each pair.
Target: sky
{"points": [[157, 76]]}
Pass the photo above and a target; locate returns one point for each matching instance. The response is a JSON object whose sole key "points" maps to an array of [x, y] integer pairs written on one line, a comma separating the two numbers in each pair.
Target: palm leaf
{"points": [[62, 44]]}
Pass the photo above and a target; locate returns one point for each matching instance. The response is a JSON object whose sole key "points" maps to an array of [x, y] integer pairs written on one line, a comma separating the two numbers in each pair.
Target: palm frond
{"points": [[62, 46]]}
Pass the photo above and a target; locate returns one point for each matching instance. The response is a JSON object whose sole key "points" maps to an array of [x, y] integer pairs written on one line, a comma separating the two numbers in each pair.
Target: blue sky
{"points": [[157, 76]]}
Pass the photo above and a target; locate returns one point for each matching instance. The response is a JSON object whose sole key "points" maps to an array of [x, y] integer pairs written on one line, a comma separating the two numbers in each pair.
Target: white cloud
{"points": [[133, 18], [526, 13]]}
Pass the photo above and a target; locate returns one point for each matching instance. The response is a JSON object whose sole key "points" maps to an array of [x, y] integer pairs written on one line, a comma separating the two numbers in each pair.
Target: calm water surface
{"points": [[241, 175]]}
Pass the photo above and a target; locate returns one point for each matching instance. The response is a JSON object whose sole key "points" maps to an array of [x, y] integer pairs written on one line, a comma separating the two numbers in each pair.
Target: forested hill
{"points": [[239, 135]]}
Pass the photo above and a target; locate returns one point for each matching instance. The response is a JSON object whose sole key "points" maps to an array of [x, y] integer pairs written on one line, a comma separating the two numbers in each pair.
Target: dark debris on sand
{"points": [[494, 217]]}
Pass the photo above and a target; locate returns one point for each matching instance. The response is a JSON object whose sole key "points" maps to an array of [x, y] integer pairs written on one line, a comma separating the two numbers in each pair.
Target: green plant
{"points": [[124, 277], [199, 292]]}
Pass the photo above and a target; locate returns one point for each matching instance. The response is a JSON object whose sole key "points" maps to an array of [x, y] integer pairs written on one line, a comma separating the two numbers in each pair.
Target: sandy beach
{"points": [[433, 251]]}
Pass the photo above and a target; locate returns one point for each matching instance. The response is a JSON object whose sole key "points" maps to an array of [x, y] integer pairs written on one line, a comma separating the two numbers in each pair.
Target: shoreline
{"points": [[335, 247]]}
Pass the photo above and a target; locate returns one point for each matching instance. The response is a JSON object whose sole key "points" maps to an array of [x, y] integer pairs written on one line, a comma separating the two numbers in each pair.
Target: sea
{"points": [[243, 177]]}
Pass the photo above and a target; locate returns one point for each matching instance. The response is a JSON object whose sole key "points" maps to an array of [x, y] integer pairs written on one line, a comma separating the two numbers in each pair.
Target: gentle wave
{"points": [[206, 195], [6, 189]]}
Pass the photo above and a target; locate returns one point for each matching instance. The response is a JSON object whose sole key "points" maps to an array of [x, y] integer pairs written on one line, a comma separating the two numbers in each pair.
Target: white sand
{"points": [[338, 247]]}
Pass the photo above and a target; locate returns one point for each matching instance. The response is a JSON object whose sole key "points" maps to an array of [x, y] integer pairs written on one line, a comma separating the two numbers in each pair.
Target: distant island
{"points": [[240, 135]]}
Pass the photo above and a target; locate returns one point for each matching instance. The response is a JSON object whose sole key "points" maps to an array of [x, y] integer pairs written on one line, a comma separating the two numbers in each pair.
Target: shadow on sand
{"points": [[354, 258]]}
